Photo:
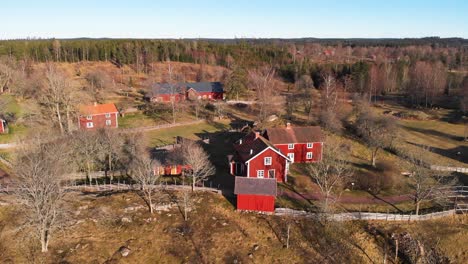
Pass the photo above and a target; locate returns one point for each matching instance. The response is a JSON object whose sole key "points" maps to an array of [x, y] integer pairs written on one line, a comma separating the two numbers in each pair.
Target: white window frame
{"points": [[108, 122], [89, 117], [290, 146], [267, 161], [291, 156], [260, 174], [274, 173], [309, 155], [89, 125], [310, 145], [108, 115]]}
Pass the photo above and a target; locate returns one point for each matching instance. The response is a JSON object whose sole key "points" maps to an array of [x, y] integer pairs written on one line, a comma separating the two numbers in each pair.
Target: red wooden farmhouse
{"points": [[254, 194], [98, 116], [256, 157], [164, 92], [3, 126], [300, 144]]}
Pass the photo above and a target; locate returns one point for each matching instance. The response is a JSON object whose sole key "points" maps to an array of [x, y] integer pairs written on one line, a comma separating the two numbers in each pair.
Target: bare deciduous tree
{"points": [[262, 80], [6, 72], [200, 167], [331, 173], [142, 171], [39, 170], [58, 96], [377, 132], [87, 150], [425, 183]]}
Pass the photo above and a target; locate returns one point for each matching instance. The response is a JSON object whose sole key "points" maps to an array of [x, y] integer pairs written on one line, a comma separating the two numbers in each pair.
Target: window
{"points": [[89, 117], [260, 174], [107, 115], [267, 160], [271, 173], [89, 125], [309, 145], [108, 122], [309, 155], [291, 156], [290, 146]]}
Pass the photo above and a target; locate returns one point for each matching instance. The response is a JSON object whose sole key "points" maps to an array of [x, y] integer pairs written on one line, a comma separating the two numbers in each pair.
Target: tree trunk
{"points": [[193, 183], [44, 241], [68, 119], [150, 203], [59, 117], [110, 166], [374, 157], [418, 203]]}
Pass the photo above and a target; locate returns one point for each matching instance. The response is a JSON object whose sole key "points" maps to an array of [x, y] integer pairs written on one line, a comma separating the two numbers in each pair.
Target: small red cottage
{"points": [[256, 157], [164, 92], [98, 116], [255, 194], [300, 144], [3, 126]]}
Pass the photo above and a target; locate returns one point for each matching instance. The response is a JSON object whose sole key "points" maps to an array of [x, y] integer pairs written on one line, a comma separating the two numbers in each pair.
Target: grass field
{"points": [[167, 136]]}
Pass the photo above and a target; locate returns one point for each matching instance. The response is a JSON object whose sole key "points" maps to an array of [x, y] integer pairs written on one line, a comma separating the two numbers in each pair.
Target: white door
{"points": [[291, 157]]}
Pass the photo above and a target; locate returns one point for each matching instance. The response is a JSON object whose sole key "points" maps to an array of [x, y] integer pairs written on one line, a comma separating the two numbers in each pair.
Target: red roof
{"points": [[98, 109], [251, 145], [289, 135]]}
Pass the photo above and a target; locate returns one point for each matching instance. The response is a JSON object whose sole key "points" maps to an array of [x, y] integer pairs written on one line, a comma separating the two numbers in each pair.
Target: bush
{"points": [[377, 180]]}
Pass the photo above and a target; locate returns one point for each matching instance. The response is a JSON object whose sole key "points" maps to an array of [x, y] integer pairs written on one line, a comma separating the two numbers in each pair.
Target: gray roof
{"points": [[256, 186], [215, 87], [166, 88]]}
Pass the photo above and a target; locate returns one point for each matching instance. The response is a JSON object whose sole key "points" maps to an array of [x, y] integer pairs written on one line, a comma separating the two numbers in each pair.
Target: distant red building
{"points": [[255, 194], [300, 144], [96, 116], [3, 126], [256, 157], [165, 92]]}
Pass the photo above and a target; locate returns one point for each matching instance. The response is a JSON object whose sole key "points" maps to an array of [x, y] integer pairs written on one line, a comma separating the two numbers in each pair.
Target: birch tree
{"points": [[425, 183], [40, 171], [331, 173], [262, 80], [200, 167], [142, 171]]}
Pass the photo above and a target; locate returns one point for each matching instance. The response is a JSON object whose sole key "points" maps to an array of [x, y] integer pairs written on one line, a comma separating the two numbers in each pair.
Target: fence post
{"points": [[386, 216], [409, 218]]}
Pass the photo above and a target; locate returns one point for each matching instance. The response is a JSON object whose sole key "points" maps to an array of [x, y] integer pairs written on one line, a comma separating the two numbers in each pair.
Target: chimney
{"points": [[251, 151], [257, 134], [288, 125]]}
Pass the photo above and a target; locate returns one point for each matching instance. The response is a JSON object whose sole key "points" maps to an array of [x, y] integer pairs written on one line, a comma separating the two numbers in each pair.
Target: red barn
{"points": [[98, 116], [3, 126], [255, 194], [256, 157], [164, 92], [300, 144]]}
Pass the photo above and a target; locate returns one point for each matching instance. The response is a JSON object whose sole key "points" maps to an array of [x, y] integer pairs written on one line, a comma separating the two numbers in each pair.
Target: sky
{"points": [[232, 19]]}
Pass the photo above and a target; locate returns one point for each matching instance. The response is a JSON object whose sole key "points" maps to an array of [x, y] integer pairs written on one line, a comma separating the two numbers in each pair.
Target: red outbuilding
{"points": [[3, 126], [255, 194], [98, 116], [165, 92], [256, 157], [300, 144]]}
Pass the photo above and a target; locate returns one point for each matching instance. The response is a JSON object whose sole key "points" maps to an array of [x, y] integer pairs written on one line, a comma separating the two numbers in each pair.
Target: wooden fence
{"points": [[364, 215], [447, 168]]}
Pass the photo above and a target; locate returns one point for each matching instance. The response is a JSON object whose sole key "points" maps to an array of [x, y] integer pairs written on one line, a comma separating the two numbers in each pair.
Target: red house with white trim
{"points": [[256, 157], [255, 194], [96, 116], [300, 144], [3, 126]]}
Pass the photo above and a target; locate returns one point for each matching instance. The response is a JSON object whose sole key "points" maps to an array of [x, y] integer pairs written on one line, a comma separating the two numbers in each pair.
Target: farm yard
{"points": [[329, 143]]}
